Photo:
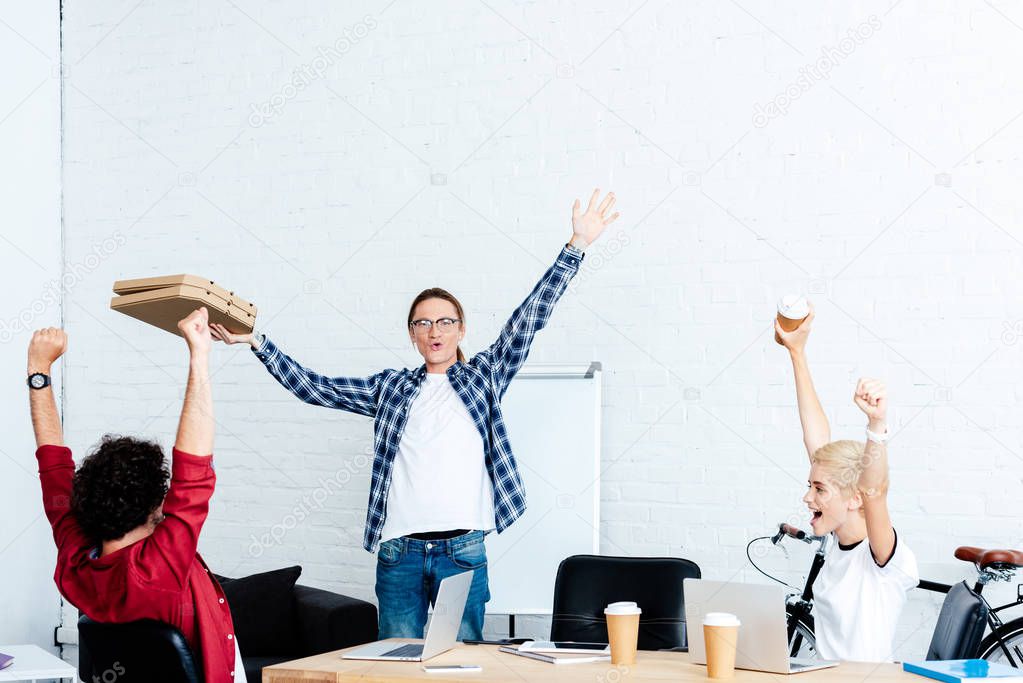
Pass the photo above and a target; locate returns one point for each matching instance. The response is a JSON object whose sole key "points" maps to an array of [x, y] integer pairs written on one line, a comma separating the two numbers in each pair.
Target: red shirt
{"points": [[159, 577]]}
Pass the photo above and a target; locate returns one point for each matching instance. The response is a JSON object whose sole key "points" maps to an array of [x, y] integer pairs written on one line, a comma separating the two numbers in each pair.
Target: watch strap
{"points": [[877, 438]]}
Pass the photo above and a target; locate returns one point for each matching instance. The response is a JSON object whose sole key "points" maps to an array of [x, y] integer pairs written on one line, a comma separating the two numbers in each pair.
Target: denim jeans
{"points": [[409, 572]]}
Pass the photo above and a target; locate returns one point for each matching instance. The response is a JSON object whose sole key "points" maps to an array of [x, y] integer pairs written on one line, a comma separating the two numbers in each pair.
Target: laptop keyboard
{"points": [[408, 650]]}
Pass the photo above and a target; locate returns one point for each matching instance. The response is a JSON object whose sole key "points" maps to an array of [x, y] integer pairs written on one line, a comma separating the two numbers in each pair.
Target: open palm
{"points": [[587, 225]]}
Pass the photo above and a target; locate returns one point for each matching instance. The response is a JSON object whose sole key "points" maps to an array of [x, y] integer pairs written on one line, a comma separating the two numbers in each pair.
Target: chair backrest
{"points": [[586, 584], [144, 651], [960, 625]]}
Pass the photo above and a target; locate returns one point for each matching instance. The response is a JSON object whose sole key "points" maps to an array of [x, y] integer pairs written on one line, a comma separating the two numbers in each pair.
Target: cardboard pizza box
{"points": [[150, 283], [163, 301]]}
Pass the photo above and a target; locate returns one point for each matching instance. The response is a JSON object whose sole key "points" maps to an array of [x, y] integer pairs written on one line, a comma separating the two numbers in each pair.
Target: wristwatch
{"points": [[38, 380]]}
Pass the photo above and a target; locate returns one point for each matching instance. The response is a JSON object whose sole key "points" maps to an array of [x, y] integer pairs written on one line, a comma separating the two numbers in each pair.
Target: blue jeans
{"points": [[409, 572]]}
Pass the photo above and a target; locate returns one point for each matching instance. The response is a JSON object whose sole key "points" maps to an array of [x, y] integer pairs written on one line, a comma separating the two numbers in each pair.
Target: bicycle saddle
{"points": [[984, 558]]}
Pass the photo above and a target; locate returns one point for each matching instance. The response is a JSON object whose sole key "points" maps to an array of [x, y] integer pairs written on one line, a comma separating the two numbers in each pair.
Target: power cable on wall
{"points": [[63, 266]]}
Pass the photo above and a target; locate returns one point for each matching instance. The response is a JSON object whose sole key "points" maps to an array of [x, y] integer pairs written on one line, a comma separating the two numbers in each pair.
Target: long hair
{"points": [[438, 293]]}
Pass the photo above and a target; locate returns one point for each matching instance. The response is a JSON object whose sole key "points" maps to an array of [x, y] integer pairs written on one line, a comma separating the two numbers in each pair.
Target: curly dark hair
{"points": [[118, 486]]}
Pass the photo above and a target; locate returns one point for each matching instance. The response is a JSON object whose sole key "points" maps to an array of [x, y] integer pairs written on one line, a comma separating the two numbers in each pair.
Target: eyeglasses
{"points": [[443, 324]]}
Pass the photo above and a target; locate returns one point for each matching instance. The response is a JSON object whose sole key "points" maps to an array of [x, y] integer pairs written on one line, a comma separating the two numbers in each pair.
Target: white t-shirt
{"points": [[239, 668], [439, 478], [856, 603]]}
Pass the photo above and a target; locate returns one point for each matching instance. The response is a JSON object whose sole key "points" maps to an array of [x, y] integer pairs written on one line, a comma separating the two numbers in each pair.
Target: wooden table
{"points": [[505, 668]]}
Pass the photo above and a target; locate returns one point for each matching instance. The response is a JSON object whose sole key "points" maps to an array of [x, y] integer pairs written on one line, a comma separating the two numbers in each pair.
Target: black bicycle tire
{"points": [[1005, 632], [802, 619], [807, 619]]}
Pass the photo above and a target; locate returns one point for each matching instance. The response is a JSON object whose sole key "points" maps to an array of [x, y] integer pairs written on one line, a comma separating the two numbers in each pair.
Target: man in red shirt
{"points": [[126, 541]]}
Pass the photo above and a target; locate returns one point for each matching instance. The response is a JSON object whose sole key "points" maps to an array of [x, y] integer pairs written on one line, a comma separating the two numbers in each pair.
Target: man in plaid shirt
{"points": [[443, 473]]}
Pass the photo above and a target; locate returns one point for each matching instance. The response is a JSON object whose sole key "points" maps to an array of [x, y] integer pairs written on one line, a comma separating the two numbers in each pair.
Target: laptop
{"points": [[763, 635], [441, 635]]}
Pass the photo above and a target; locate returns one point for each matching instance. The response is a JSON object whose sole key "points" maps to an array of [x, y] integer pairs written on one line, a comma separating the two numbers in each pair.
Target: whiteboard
{"points": [[552, 413]]}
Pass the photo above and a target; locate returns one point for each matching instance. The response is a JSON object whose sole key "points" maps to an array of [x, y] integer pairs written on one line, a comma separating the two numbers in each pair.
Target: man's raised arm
{"points": [[46, 347], [195, 430], [170, 552]]}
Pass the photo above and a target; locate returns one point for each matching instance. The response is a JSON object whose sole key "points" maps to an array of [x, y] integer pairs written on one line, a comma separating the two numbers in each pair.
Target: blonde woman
{"points": [[862, 587]]}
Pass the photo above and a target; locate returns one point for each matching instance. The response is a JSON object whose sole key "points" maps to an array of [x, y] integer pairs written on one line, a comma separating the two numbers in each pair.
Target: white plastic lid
{"points": [[794, 306], [622, 608], [720, 619]]}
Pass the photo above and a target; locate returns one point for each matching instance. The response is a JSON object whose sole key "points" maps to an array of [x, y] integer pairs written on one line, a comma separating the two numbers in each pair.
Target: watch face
{"points": [[38, 381]]}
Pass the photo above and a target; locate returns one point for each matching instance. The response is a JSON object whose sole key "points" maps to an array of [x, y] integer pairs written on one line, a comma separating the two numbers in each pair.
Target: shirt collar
{"points": [[455, 369]]}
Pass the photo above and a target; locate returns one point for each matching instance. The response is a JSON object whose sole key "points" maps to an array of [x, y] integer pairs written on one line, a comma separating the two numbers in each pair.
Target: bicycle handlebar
{"points": [[794, 532]]}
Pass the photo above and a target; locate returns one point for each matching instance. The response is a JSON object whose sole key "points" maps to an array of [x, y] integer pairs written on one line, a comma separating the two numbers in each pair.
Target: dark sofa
{"points": [[275, 621]]}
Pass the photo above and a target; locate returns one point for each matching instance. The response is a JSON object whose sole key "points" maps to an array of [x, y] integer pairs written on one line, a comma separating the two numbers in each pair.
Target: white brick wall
{"points": [[30, 278], [442, 144]]}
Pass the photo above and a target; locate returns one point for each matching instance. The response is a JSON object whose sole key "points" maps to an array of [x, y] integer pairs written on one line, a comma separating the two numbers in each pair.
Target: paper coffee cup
{"points": [[792, 311], [622, 631], [720, 638]]}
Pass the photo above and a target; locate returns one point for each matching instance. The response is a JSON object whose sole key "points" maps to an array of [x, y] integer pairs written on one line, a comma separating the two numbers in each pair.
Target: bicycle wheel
{"points": [[1008, 637], [803, 643]]}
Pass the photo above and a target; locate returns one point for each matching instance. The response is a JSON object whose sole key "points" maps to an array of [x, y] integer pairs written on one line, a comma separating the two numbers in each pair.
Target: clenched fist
{"points": [[872, 398], [47, 345], [196, 331]]}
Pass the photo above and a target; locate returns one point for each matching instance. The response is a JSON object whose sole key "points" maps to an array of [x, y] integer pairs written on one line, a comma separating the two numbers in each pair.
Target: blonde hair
{"points": [[844, 461]]}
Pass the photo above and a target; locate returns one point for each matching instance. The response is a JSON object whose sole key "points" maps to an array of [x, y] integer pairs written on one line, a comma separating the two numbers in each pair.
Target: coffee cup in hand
{"points": [[622, 631], [720, 638], [792, 311]]}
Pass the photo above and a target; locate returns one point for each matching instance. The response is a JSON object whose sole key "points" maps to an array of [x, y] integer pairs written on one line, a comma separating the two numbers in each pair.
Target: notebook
{"points": [[552, 658], [959, 670]]}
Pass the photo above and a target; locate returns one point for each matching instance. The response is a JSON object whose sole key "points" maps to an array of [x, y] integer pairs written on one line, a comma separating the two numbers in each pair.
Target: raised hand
{"points": [[46, 346], [872, 398], [196, 331], [795, 341], [587, 225], [221, 333]]}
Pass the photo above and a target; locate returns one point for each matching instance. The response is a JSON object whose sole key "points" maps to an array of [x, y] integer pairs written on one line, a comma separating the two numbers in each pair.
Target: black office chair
{"points": [[586, 584], [960, 625], [144, 651]]}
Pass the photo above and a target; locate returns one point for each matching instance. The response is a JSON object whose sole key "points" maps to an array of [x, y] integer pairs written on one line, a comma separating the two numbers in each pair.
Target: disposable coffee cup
{"points": [[792, 311], [720, 638], [622, 631]]}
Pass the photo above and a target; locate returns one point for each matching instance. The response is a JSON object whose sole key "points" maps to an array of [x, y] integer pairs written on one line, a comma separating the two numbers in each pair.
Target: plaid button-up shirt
{"points": [[387, 397]]}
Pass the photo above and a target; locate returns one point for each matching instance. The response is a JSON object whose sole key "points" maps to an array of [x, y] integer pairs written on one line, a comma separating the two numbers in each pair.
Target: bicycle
{"points": [[799, 604], [1002, 643]]}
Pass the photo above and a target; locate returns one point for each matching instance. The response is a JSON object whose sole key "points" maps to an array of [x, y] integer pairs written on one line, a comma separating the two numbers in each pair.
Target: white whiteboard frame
{"points": [[572, 371]]}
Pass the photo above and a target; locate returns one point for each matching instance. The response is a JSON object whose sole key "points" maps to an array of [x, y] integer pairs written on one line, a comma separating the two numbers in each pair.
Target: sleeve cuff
{"points": [[571, 257], [264, 349], [53, 456], [188, 467], [895, 547]]}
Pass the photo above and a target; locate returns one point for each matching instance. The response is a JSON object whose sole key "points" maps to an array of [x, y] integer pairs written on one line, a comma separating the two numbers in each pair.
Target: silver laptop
{"points": [[441, 635], [763, 636]]}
